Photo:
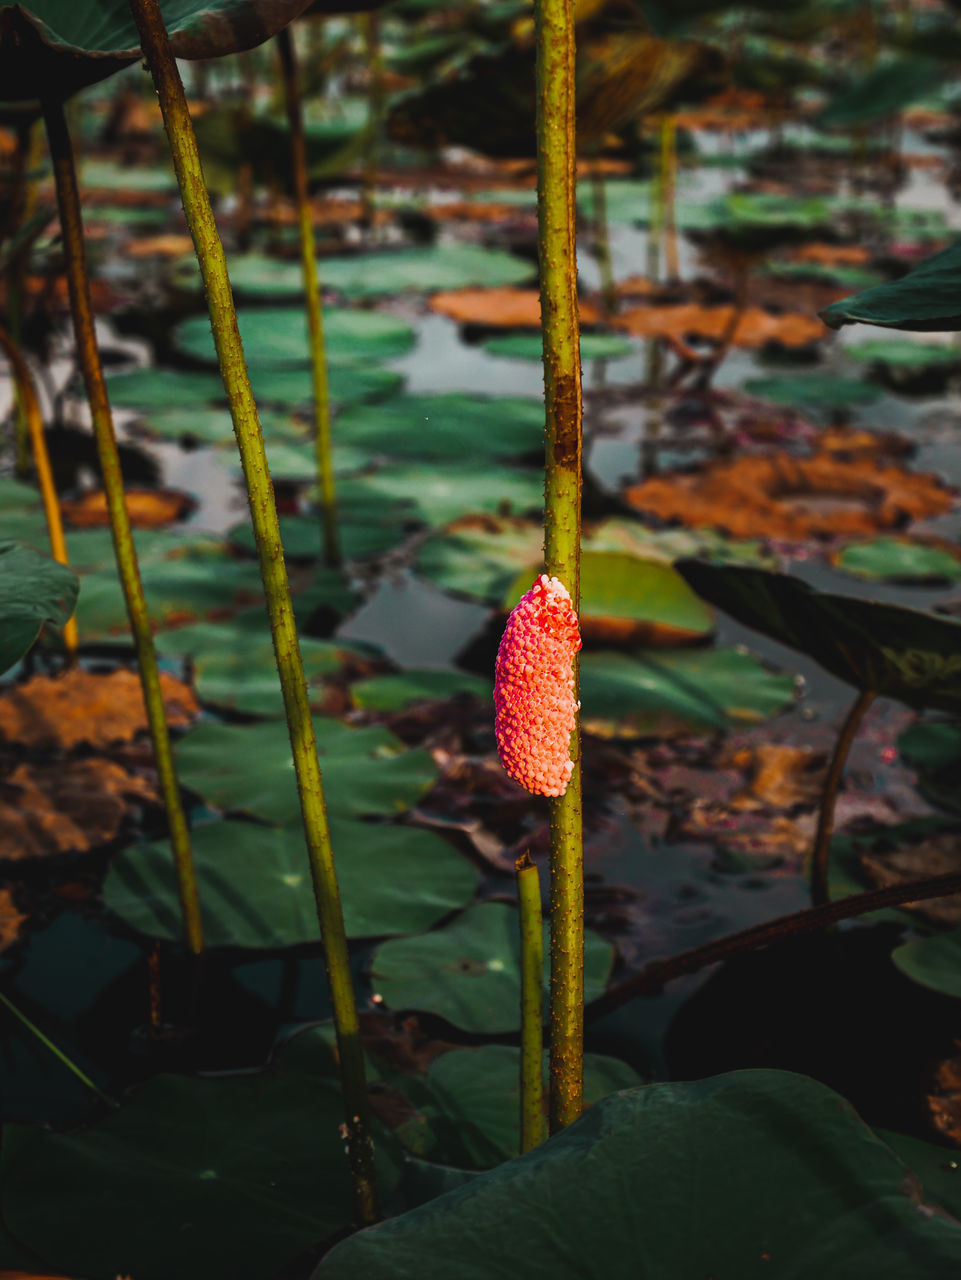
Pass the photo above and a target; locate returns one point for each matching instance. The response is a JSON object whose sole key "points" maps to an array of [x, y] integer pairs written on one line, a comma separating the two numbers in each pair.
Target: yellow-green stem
{"points": [[68, 201], [315, 313], [27, 397], [263, 509], [562, 520], [667, 193], [57, 1052], [532, 1004], [821, 855]]}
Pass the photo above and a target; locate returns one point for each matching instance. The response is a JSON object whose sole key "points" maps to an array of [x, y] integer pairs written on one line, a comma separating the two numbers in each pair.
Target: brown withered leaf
{"points": [[854, 442], [500, 308], [170, 244], [69, 807], [831, 255], [85, 707], [936, 856], [11, 918], [780, 776], [944, 1102], [690, 320], [147, 508], [793, 499]]}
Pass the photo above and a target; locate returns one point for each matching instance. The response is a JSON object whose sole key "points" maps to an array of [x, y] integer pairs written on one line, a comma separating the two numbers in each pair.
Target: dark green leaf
{"points": [[276, 337], [927, 299], [33, 590]]}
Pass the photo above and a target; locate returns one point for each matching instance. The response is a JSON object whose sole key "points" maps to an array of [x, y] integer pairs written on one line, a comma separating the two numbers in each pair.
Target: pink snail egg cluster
{"points": [[534, 688]]}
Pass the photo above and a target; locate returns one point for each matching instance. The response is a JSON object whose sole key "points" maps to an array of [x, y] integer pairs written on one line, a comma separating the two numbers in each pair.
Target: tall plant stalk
{"points": [[370, 25], [263, 509], [30, 143], [27, 399], [315, 314], [532, 1004], [68, 201], [668, 192], [562, 521], [821, 855]]}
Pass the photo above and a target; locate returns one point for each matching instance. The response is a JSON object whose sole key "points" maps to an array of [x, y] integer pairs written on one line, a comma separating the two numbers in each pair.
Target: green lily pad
{"points": [[899, 560], [755, 222], [528, 346], [256, 890], [896, 652], [937, 1167], [469, 971], [193, 1178], [153, 390], [623, 1186], [107, 175], [297, 459], [934, 749], [277, 336], [453, 427], [33, 590], [883, 91], [903, 354], [364, 530], [926, 299], [208, 424], [849, 277], [933, 962], [249, 769], [653, 692], [617, 587], [436, 495], [64, 46], [812, 391], [370, 275], [235, 667], [393, 693], [349, 383], [468, 1107]]}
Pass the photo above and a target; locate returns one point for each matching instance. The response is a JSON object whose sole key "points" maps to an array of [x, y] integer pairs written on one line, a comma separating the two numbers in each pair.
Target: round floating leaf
{"points": [[437, 495], [349, 383], [392, 693], [235, 667], [370, 275], [471, 1102], [926, 299], [903, 354], [619, 1192], [469, 972], [812, 391], [107, 175], [157, 389], [365, 530], [625, 597], [33, 590], [934, 749], [194, 1178], [249, 768], [654, 692], [62, 46], [256, 891], [933, 962], [277, 337], [454, 427], [529, 346], [899, 560], [208, 424], [897, 652]]}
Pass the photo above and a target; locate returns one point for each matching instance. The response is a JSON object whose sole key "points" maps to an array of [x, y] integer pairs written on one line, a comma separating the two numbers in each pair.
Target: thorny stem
{"points": [[263, 509], [562, 521], [532, 1001], [821, 854], [315, 314], [68, 201], [57, 1052], [27, 397], [653, 976]]}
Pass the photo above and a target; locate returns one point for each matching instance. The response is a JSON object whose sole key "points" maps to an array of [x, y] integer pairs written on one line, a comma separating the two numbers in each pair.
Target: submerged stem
{"points": [[68, 201], [821, 854], [27, 399], [263, 510], [315, 314], [57, 1052], [532, 1002], [562, 520]]}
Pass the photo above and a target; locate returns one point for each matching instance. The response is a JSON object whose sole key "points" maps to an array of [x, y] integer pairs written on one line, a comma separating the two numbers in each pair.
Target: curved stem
{"points": [[653, 976], [27, 396], [68, 201], [821, 854], [315, 314], [57, 1052], [263, 509], [532, 1002], [562, 520]]}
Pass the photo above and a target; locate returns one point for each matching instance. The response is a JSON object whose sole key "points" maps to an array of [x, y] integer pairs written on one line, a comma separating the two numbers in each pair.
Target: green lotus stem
{"points": [[532, 1004], [57, 1052], [667, 193], [68, 201], [263, 509], [562, 521], [27, 397], [370, 24], [315, 314], [30, 141], [655, 223], [602, 239], [821, 854]]}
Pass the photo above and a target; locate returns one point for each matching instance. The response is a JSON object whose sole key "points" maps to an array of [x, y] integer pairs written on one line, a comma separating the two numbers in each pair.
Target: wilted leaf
{"points": [[147, 508]]}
